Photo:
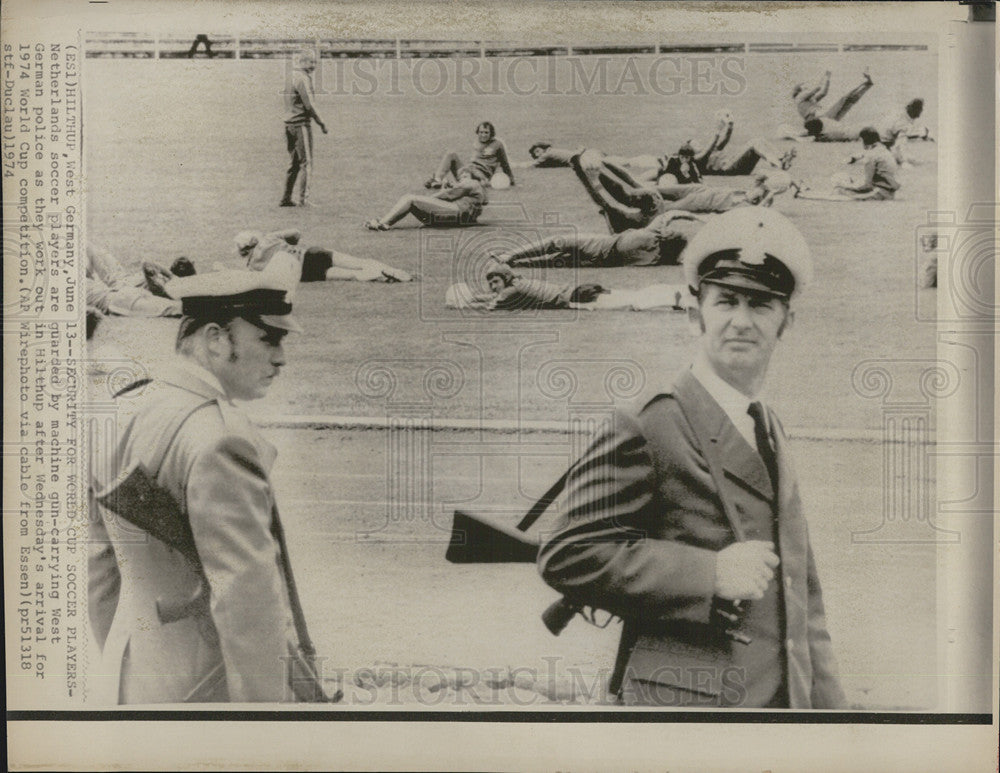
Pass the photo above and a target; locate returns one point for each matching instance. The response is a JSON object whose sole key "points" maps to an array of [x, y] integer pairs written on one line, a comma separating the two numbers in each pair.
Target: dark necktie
{"points": [[764, 447]]}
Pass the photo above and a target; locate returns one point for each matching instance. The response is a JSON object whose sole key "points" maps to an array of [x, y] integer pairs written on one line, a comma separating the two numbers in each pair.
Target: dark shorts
{"points": [[315, 263]]}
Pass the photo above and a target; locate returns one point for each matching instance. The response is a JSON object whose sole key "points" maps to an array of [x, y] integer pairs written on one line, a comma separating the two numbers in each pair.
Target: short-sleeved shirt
{"points": [[533, 294], [881, 168], [486, 159], [807, 107], [659, 243], [554, 157], [892, 125], [835, 131], [683, 175], [708, 199], [267, 247], [469, 196]]}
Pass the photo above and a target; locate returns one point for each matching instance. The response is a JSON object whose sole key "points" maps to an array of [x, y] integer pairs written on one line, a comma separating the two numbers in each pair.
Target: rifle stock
{"points": [[478, 540]]}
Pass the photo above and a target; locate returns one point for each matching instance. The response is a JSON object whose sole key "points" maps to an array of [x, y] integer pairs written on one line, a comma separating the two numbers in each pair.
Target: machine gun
{"points": [[476, 539]]}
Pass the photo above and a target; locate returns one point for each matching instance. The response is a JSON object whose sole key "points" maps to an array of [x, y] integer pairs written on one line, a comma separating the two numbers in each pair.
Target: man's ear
{"points": [[216, 339]]}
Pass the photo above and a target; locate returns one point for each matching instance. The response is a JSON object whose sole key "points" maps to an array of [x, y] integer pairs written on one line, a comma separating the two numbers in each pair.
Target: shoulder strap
{"points": [[167, 438], [543, 503]]}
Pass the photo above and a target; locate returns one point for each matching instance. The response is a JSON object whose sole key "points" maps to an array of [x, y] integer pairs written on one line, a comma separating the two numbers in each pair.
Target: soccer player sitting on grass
{"points": [[453, 205], [898, 129], [317, 264], [489, 154], [876, 180]]}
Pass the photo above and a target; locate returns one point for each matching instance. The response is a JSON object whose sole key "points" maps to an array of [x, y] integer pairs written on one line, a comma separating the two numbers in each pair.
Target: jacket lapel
{"points": [[786, 476], [740, 461]]}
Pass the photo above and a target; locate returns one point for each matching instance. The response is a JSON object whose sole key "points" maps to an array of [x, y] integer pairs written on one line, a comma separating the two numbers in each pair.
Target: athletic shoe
{"points": [[433, 183], [286, 203], [376, 225], [787, 158]]}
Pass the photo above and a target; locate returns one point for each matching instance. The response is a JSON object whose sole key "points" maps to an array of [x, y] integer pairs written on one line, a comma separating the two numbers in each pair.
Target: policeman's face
{"points": [[251, 361], [739, 331]]}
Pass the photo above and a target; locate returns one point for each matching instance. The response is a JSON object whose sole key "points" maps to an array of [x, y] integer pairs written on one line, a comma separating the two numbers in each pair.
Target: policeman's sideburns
{"points": [[233, 356]]}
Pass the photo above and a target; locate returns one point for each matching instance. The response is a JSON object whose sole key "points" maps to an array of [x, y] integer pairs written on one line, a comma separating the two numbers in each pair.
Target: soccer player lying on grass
{"points": [[489, 153], [626, 203], [647, 168], [876, 180], [828, 126], [316, 264], [113, 289], [512, 292], [716, 159], [809, 107], [658, 243], [807, 97], [893, 128], [453, 205]]}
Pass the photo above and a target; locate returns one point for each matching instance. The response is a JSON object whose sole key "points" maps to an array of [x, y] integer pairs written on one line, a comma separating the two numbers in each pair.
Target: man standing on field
{"points": [[299, 115], [685, 519]]}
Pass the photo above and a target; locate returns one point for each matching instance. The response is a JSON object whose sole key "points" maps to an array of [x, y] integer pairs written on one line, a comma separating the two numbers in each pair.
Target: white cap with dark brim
{"points": [[252, 295], [753, 249]]}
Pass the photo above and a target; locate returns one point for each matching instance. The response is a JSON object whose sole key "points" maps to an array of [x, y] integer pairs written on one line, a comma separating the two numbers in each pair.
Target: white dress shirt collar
{"points": [[733, 402]]}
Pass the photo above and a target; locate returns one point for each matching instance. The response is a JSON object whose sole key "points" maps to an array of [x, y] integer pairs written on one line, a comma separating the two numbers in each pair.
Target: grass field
{"points": [[183, 154]]}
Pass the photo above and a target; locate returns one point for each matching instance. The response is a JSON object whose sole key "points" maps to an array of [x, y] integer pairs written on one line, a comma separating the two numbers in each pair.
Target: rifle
{"points": [[476, 539], [139, 500]]}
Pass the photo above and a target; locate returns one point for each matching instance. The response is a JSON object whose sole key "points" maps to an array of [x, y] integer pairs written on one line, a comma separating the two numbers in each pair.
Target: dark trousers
{"points": [[623, 201], [298, 139]]}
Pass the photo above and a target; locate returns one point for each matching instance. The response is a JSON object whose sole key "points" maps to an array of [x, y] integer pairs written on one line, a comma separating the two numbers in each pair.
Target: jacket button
{"points": [[788, 582], [789, 645]]}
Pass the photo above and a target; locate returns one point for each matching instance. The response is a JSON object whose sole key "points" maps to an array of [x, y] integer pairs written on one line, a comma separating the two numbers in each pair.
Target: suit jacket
{"points": [[169, 641], [640, 529]]}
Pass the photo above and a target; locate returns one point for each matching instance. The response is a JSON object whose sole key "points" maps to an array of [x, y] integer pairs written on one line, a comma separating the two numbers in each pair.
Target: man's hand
{"points": [[744, 570], [322, 126]]}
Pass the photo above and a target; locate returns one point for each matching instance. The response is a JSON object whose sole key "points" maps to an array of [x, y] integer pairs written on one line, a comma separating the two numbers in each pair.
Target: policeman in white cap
{"points": [[685, 519], [207, 609]]}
